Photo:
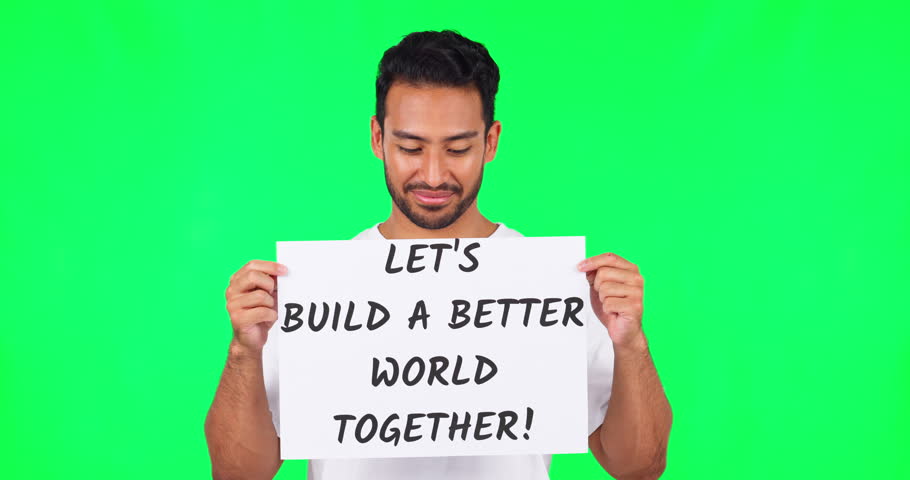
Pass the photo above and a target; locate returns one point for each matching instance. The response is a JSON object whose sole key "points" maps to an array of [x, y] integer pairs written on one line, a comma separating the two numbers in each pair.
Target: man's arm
{"points": [[238, 428], [632, 441], [242, 440]]}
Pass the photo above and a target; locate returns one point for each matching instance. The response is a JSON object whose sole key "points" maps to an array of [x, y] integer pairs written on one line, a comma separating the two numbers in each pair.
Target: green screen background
{"points": [[750, 156]]}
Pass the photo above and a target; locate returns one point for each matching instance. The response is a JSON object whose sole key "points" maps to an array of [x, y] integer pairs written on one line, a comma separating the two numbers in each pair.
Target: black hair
{"points": [[443, 58]]}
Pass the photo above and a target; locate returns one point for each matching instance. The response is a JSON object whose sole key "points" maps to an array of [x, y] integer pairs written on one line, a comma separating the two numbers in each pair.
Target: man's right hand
{"points": [[242, 439], [252, 297]]}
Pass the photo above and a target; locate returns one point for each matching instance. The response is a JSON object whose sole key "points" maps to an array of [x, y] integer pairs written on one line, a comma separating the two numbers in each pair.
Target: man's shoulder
{"points": [[505, 232], [372, 233]]}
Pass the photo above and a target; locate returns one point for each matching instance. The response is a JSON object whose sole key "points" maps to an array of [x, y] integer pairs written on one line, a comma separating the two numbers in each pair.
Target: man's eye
{"points": [[408, 150], [460, 152]]}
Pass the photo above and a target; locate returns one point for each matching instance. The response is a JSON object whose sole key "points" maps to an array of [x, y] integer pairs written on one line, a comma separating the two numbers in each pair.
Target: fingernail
{"points": [[582, 264], [282, 270]]}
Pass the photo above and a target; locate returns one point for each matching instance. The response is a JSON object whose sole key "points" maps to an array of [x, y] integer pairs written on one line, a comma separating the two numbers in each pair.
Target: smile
{"points": [[428, 197]]}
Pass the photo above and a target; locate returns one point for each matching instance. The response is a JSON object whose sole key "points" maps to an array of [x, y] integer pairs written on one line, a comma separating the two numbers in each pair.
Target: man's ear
{"points": [[376, 137], [492, 141]]}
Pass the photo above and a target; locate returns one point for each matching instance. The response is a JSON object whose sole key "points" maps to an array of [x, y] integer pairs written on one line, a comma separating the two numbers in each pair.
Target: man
{"points": [[434, 131]]}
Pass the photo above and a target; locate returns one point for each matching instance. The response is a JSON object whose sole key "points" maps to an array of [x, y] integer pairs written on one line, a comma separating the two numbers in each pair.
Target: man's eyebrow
{"points": [[411, 136]]}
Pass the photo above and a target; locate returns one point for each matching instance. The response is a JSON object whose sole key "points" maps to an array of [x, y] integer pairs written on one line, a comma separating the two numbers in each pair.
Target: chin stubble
{"points": [[428, 223]]}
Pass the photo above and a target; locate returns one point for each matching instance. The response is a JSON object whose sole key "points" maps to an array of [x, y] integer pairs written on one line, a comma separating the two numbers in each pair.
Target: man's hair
{"points": [[442, 58]]}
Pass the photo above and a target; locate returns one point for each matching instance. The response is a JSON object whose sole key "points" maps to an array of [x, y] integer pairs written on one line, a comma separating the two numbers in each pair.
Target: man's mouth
{"points": [[430, 197]]}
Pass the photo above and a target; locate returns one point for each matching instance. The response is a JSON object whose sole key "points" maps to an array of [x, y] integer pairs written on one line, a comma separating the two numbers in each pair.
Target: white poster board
{"points": [[487, 335]]}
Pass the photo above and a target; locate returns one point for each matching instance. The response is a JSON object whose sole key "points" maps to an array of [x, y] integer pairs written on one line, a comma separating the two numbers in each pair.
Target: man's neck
{"points": [[470, 225]]}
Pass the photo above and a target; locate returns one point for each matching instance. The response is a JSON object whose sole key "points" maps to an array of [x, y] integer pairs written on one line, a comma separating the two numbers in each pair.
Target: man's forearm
{"points": [[636, 427], [241, 437]]}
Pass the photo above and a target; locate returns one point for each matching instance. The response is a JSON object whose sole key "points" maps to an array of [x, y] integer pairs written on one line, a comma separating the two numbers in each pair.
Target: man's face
{"points": [[434, 149]]}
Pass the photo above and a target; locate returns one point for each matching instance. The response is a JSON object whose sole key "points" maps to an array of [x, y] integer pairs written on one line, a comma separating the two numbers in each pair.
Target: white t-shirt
{"points": [[531, 467]]}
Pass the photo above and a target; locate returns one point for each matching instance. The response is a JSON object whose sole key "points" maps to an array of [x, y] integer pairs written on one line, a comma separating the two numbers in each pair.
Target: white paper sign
{"points": [[443, 347]]}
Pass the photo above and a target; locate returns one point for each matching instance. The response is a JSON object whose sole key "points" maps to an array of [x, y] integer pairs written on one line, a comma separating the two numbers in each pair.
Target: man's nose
{"points": [[434, 168]]}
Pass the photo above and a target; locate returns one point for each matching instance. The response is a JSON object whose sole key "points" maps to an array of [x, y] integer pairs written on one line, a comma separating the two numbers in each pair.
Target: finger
{"points": [[618, 275], [256, 298], [614, 289], [622, 306], [264, 266], [252, 280], [251, 316], [608, 259]]}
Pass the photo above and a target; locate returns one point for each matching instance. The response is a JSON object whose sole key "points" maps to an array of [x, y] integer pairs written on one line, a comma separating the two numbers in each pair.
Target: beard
{"points": [[410, 210]]}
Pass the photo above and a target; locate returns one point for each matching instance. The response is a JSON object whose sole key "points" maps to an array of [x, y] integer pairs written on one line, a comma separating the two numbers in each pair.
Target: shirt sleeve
{"points": [[600, 371], [270, 373]]}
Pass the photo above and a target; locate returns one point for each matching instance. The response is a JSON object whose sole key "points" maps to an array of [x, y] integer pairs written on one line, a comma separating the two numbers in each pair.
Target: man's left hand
{"points": [[617, 290]]}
